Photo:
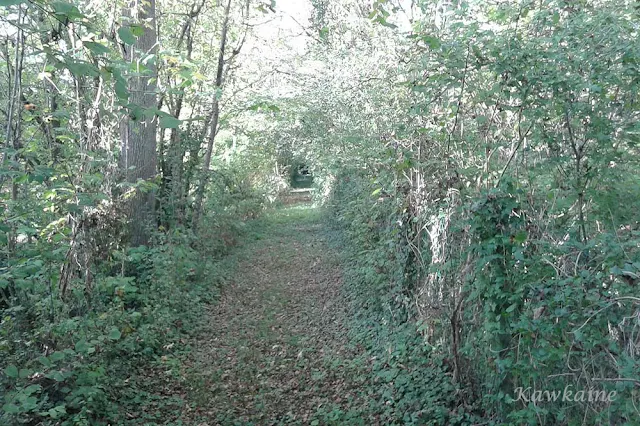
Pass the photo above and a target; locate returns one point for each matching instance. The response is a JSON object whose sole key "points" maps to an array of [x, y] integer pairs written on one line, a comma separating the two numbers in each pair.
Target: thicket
{"points": [[495, 230], [88, 357], [122, 186]]}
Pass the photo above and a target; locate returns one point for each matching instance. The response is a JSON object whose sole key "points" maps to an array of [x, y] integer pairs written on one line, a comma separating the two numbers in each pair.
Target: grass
{"points": [[274, 349]]}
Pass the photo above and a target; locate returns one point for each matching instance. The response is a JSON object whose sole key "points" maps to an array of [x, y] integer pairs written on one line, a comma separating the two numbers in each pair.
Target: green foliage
{"points": [[70, 365], [410, 381], [84, 316], [491, 213], [480, 160]]}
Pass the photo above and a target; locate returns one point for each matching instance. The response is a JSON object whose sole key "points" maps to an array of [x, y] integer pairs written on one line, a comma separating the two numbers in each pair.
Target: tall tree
{"points": [[172, 152], [138, 151], [215, 116]]}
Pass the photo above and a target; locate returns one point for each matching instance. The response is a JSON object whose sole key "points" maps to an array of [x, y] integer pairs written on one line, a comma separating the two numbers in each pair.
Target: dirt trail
{"points": [[274, 351]]}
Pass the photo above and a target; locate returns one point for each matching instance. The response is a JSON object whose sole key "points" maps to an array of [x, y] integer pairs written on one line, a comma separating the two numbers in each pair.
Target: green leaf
{"points": [[11, 371], [376, 192], [520, 237], [57, 412], [121, 90], [45, 361], [136, 112], [30, 403], [82, 346], [136, 30], [10, 408], [55, 375], [431, 41], [29, 390], [185, 73], [389, 375], [384, 22], [152, 112], [126, 35], [169, 122], [57, 356], [67, 10], [82, 69], [115, 334], [97, 48]]}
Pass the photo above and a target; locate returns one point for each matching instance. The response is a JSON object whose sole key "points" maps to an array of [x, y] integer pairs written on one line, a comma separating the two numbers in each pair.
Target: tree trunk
{"points": [[215, 116], [173, 168], [138, 152]]}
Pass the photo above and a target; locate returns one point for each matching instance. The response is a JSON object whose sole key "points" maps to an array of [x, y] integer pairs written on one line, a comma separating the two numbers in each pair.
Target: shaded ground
{"points": [[298, 196], [274, 350]]}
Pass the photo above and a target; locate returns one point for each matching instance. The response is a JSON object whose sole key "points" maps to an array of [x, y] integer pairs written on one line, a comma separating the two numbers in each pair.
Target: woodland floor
{"points": [[274, 349]]}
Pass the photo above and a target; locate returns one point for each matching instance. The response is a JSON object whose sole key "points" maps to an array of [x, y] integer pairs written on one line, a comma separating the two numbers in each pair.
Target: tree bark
{"points": [[138, 150]]}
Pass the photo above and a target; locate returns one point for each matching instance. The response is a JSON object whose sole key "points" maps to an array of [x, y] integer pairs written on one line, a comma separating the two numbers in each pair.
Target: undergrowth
{"points": [[410, 380], [110, 351], [513, 309]]}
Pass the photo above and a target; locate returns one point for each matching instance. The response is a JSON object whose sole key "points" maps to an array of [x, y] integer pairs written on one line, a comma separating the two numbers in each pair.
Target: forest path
{"points": [[274, 350]]}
